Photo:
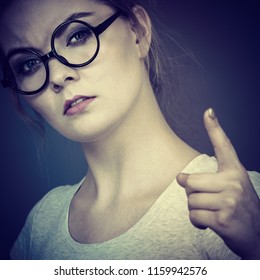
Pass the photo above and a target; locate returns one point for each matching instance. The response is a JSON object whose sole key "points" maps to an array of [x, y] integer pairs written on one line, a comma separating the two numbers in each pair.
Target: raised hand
{"points": [[225, 201]]}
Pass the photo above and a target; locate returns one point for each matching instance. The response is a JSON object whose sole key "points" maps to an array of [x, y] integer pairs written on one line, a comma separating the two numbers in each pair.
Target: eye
{"points": [[79, 37], [28, 66]]}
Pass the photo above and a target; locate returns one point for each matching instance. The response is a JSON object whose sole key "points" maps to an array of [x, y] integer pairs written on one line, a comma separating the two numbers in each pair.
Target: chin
{"points": [[90, 128], [88, 134]]}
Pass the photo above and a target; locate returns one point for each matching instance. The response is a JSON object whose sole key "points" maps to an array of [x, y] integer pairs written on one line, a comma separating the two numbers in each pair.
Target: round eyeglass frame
{"points": [[97, 30]]}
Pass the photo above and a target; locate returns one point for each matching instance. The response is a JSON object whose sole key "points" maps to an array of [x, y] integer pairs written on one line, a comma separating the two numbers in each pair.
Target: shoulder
{"points": [[54, 202], [42, 219], [56, 197]]}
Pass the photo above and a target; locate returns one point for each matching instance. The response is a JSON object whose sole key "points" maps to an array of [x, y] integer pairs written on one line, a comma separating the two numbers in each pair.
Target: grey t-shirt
{"points": [[164, 232]]}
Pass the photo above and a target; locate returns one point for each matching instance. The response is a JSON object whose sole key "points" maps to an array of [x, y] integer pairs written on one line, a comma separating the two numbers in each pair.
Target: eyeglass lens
{"points": [[28, 71], [75, 44]]}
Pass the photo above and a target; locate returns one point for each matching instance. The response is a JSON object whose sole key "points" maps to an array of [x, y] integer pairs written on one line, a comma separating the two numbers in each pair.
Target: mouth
{"points": [[77, 104]]}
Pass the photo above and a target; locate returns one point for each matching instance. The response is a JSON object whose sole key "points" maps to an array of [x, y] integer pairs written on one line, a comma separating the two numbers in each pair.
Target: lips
{"points": [[77, 104]]}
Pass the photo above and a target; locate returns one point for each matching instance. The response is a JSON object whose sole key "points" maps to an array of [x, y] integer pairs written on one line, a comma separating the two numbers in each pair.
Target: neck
{"points": [[141, 152]]}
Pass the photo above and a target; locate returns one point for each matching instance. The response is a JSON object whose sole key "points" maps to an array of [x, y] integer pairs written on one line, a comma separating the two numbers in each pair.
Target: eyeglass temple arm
{"points": [[104, 25]]}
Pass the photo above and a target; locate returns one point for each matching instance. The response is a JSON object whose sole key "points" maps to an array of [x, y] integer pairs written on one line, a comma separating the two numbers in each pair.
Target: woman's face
{"points": [[114, 79]]}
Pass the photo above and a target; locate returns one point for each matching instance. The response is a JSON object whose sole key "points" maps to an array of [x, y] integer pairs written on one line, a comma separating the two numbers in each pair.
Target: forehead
{"points": [[30, 22]]}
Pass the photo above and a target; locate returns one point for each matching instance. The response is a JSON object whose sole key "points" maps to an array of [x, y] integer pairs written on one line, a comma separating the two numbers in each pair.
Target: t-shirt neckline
{"points": [[142, 221]]}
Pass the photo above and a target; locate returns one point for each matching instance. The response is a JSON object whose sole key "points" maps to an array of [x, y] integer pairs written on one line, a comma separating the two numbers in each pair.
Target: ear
{"points": [[143, 30]]}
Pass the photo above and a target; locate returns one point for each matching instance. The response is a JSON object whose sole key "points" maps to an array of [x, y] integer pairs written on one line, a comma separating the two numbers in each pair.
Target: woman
{"points": [[147, 194]]}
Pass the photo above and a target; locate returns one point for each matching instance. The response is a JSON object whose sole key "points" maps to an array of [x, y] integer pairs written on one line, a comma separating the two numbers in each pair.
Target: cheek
{"points": [[51, 110], [118, 66], [44, 106]]}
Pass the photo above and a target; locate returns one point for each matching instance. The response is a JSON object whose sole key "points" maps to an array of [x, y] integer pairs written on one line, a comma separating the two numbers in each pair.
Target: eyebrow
{"points": [[79, 15], [73, 16]]}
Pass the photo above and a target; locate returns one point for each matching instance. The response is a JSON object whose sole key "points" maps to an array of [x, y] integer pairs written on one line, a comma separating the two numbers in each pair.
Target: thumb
{"points": [[182, 179]]}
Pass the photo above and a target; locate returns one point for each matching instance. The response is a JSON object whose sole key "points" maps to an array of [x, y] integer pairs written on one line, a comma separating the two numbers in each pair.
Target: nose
{"points": [[60, 75]]}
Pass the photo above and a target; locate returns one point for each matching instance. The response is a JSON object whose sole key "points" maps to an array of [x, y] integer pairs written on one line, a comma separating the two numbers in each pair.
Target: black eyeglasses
{"points": [[74, 43]]}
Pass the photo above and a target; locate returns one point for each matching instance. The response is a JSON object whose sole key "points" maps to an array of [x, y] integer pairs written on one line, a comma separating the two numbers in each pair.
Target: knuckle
{"points": [[191, 200], [193, 216], [230, 202], [223, 219], [235, 182], [224, 143], [237, 187], [196, 220], [189, 182], [227, 143]]}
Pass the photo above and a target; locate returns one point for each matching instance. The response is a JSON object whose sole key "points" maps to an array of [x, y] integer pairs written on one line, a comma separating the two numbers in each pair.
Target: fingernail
{"points": [[212, 114]]}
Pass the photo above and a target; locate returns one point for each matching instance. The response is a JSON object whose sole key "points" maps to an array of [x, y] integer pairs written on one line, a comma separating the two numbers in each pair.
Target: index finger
{"points": [[223, 148]]}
